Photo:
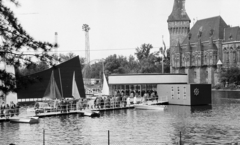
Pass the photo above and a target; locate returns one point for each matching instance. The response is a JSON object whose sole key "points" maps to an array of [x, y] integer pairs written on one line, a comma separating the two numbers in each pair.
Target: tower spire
{"points": [[178, 12]]}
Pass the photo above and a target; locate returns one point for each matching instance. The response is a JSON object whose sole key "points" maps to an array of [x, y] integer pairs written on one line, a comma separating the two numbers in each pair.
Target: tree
{"points": [[148, 62], [231, 75], [115, 64], [34, 68], [132, 65], [143, 51], [14, 40], [65, 57]]}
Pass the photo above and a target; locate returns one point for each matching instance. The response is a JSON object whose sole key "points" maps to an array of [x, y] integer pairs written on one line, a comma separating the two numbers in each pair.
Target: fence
{"points": [[109, 141]]}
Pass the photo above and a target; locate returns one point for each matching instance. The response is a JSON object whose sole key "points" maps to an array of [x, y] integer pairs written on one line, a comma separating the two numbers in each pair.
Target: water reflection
{"points": [[217, 124]]}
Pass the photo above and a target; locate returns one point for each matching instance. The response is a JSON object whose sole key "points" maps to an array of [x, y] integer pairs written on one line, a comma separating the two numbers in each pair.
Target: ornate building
{"points": [[197, 51]]}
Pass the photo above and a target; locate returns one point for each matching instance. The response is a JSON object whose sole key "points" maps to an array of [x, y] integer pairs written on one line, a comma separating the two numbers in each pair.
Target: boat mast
{"points": [[60, 81]]}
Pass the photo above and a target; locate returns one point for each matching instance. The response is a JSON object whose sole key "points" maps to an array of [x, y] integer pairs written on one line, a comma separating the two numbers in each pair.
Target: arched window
{"points": [[227, 56], [234, 57], [205, 59], [193, 60]]}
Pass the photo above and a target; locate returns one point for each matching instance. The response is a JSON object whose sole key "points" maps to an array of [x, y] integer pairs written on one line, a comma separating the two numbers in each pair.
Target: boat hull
{"points": [[91, 113], [24, 120], [149, 107]]}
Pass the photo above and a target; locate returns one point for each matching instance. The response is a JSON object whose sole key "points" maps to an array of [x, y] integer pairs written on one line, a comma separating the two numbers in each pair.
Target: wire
{"points": [[125, 49]]}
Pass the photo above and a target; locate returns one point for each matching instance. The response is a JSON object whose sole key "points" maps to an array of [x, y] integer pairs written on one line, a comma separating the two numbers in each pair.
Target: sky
{"points": [[116, 26]]}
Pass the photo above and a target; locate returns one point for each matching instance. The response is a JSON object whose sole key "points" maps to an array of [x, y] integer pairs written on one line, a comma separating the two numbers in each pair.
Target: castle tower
{"points": [[178, 25]]}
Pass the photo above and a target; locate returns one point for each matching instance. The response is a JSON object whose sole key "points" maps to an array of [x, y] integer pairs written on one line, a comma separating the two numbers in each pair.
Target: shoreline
{"points": [[227, 90]]}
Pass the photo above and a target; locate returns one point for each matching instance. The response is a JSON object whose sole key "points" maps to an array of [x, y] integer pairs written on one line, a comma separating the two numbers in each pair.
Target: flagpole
{"points": [[103, 71], [163, 54], [162, 64]]}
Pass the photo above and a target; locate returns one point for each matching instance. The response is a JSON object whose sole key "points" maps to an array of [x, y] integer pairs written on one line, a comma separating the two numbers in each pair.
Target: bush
{"points": [[232, 86], [218, 86]]}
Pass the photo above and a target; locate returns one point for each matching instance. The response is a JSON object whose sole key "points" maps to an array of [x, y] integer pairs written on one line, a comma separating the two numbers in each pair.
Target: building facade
{"points": [[197, 50]]}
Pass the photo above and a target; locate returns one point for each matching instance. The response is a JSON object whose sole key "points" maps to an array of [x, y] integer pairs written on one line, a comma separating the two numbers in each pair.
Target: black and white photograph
{"points": [[119, 72]]}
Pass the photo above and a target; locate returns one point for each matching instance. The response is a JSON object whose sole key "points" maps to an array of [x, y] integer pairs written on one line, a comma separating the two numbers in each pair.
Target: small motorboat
{"points": [[91, 113], [149, 107], [30, 120]]}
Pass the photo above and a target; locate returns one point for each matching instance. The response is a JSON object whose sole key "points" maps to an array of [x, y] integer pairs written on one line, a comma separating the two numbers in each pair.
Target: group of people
{"points": [[121, 100], [8, 110], [65, 105], [115, 101]]}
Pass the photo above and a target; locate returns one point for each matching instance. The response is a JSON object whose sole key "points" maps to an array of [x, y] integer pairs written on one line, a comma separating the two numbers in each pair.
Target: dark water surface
{"points": [[216, 124]]}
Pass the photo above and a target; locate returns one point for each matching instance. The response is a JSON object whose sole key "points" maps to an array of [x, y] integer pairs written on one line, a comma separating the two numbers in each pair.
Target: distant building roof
{"points": [[232, 34], [178, 12], [204, 27]]}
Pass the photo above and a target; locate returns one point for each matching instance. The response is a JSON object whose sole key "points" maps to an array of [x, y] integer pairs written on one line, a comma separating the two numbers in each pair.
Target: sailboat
{"points": [[75, 92], [76, 95], [105, 88], [52, 92]]}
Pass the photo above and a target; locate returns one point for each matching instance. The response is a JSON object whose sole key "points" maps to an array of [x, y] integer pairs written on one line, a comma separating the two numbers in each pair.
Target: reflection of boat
{"points": [[24, 120], [149, 107], [91, 113]]}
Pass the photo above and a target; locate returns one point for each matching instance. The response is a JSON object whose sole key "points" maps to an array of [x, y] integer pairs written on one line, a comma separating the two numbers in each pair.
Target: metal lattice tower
{"points": [[86, 28]]}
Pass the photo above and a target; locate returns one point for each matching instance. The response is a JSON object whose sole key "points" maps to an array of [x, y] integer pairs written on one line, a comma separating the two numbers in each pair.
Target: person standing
{"points": [[128, 101], [135, 99]]}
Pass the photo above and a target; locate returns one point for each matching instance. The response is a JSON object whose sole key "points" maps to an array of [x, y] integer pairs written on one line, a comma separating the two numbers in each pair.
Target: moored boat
{"points": [[91, 113], [24, 120], [149, 107]]}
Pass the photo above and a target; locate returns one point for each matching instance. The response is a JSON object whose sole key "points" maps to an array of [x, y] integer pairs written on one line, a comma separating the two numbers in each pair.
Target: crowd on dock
{"points": [[122, 100], [119, 100], [8, 110]]}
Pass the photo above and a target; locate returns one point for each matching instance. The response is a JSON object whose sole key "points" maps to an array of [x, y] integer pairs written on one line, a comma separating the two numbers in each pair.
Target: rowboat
{"points": [[30, 120], [149, 107]]}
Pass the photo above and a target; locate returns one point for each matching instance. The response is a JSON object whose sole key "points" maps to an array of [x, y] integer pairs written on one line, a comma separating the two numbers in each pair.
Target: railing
{"points": [[9, 112], [99, 104]]}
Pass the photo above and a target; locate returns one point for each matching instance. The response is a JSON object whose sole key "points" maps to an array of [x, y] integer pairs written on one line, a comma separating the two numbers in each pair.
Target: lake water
{"points": [[216, 124]]}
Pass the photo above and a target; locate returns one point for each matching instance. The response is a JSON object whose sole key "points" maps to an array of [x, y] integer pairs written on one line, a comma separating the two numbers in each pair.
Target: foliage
{"points": [[231, 75], [34, 68], [115, 64], [14, 40], [218, 86], [143, 51], [146, 62]]}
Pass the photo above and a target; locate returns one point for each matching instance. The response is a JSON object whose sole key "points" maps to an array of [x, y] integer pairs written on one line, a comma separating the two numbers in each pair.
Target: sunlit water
{"points": [[218, 124]]}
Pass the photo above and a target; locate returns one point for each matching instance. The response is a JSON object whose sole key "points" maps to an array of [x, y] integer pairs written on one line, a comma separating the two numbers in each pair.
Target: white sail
{"points": [[52, 91], [75, 92], [105, 89]]}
